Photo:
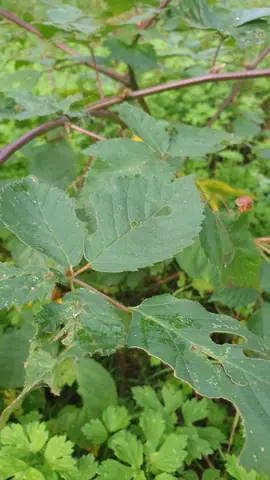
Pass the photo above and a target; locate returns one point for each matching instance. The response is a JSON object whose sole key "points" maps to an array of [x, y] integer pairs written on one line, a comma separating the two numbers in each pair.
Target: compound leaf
{"points": [[179, 332], [44, 218], [113, 470], [171, 455], [127, 448], [141, 220]]}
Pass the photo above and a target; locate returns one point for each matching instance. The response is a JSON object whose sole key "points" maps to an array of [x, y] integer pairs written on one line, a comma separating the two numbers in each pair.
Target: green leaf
{"points": [[194, 410], [30, 106], [38, 435], [153, 426], [211, 474], [265, 277], [235, 297], [198, 14], [14, 347], [139, 57], [171, 455], [238, 472], [96, 386], [122, 155], [196, 446], [213, 435], [58, 455], [115, 418], [95, 432], [20, 79], [178, 332], [146, 397], [50, 224], [259, 322], [189, 141], [172, 398], [215, 239], [19, 286], [240, 17], [133, 211], [87, 467], [119, 6], [151, 131], [246, 126], [196, 264], [127, 448], [39, 368], [81, 314], [113, 470], [13, 435], [243, 270], [54, 163], [164, 476]]}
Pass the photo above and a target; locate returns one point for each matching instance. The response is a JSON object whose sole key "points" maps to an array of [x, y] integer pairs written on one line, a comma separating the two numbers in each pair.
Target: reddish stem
{"points": [[109, 299]]}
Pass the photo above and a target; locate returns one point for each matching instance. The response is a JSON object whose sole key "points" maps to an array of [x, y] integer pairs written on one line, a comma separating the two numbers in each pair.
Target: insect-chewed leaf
{"points": [[21, 285], [90, 323], [141, 220], [44, 218], [179, 332]]}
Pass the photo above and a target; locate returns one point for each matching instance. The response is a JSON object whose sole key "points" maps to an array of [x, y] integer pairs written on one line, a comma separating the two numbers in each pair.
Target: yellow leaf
{"points": [[59, 300], [214, 191], [136, 139], [29, 304]]}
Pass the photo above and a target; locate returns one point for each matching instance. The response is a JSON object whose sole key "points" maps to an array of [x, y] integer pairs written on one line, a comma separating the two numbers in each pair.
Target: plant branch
{"points": [[86, 132], [7, 151], [208, 77], [220, 43], [148, 23], [134, 86], [21, 23], [234, 426], [109, 299], [237, 87]]}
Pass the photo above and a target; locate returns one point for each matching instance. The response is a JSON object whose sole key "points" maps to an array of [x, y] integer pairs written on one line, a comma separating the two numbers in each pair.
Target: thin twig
{"points": [[86, 132], [81, 270], [109, 299], [236, 88], [221, 40], [7, 151], [234, 425], [101, 93], [148, 23]]}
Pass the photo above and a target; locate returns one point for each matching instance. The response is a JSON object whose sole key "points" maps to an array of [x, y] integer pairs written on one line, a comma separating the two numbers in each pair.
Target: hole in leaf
{"points": [[254, 354], [164, 212], [133, 224], [222, 338]]}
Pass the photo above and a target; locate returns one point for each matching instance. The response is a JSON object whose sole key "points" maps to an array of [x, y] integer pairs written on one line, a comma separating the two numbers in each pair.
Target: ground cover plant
{"points": [[134, 212]]}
